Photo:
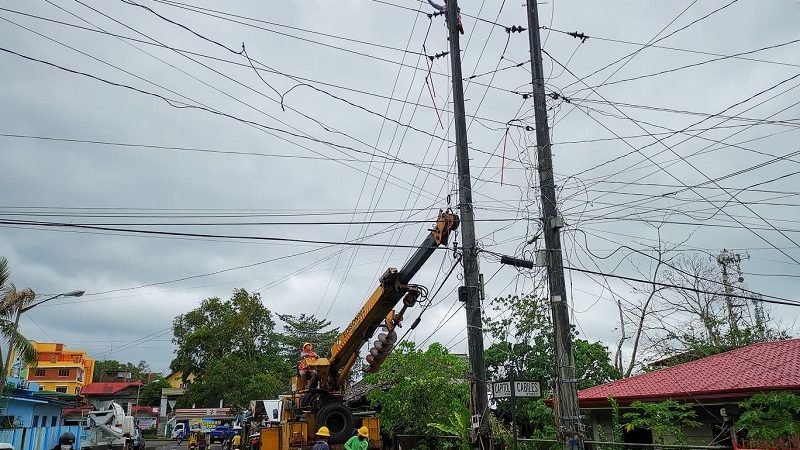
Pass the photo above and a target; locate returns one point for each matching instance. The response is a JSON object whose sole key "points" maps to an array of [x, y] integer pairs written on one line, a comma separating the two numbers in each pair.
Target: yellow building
{"points": [[60, 370], [175, 380]]}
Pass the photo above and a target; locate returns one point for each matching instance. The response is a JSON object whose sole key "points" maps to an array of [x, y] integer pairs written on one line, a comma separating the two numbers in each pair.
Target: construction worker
{"points": [[192, 441], [237, 441], [322, 439], [202, 441], [65, 442], [309, 374], [358, 442]]}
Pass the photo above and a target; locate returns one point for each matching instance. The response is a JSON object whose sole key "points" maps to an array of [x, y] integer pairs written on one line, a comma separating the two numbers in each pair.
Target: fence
{"points": [[43, 438], [787, 443]]}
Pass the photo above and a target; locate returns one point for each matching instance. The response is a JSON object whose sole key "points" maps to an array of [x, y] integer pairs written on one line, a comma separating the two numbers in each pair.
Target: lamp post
{"points": [[20, 311]]}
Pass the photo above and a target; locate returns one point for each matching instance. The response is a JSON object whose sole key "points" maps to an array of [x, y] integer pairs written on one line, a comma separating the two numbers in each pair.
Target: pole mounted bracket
{"points": [[557, 222]]}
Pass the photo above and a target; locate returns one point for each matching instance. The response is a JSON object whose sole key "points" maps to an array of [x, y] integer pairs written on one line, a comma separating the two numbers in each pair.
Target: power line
{"points": [[264, 68], [652, 41], [219, 14], [668, 148], [45, 225], [663, 47], [480, 19], [194, 149], [685, 288], [687, 66]]}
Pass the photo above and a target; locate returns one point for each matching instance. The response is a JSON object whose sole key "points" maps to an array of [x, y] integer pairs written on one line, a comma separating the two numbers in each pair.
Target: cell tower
{"points": [[729, 262]]}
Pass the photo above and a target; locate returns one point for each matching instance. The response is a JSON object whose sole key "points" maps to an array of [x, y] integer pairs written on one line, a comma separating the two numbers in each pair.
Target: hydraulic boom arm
{"points": [[378, 311]]}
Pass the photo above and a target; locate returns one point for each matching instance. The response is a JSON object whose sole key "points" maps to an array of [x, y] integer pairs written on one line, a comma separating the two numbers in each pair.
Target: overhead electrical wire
{"points": [[668, 148], [592, 36], [227, 61]]}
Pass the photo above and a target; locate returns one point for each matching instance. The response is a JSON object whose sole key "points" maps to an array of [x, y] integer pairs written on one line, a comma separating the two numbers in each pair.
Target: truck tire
{"points": [[317, 399], [339, 420]]}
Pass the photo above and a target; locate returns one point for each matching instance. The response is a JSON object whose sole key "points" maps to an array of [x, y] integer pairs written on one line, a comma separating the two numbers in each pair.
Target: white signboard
{"points": [[502, 389]]}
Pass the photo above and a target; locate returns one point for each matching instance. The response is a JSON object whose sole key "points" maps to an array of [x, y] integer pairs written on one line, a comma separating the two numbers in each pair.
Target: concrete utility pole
{"points": [[568, 420], [470, 292]]}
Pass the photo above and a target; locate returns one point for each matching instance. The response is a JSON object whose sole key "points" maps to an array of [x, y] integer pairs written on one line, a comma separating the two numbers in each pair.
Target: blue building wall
{"points": [[49, 415], [21, 410], [38, 438], [36, 421]]}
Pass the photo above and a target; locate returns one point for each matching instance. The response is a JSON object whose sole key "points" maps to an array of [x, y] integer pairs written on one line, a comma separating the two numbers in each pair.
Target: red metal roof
{"points": [[153, 411], [80, 411], [767, 366], [107, 388]]}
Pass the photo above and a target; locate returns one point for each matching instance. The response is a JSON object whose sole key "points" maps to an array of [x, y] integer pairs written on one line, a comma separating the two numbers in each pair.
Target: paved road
{"points": [[172, 445]]}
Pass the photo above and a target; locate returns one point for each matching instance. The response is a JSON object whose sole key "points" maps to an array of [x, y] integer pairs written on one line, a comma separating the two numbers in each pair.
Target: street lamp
{"points": [[20, 311]]}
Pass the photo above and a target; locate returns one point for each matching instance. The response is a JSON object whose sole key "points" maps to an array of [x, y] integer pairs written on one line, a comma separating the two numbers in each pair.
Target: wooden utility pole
{"points": [[470, 292], [568, 420]]}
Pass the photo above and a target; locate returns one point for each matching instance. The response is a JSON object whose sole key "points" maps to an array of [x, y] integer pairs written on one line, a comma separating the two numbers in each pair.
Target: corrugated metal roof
{"points": [[104, 388], [766, 366]]}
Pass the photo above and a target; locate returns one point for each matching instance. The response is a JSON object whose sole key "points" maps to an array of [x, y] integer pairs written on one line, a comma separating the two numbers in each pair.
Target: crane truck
{"points": [[306, 408]]}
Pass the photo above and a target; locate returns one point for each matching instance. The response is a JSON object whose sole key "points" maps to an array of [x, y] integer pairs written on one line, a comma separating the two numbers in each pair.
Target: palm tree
{"points": [[12, 300]]}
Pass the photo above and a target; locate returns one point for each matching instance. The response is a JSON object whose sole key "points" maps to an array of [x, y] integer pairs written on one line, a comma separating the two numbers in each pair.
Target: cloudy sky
{"points": [[125, 118]]}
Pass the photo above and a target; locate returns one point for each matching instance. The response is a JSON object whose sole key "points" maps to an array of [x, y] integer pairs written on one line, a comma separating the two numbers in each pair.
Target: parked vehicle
{"points": [[180, 430], [221, 433], [138, 440]]}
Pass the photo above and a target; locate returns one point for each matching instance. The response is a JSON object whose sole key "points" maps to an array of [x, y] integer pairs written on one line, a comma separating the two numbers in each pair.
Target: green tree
{"points": [[233, 351], [458, 425], [666, 419], [524, 348], [150, 394], [11, 301], [300, 329], [236, 379], [771, 415], [241, 325], [423, 388]]}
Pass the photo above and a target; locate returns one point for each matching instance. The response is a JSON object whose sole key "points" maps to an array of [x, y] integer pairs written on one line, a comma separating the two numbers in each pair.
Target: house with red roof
{"points": [[713, 386], [101, 394]]}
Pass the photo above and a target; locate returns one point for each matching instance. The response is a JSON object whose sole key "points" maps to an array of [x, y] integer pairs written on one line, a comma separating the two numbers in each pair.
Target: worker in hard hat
{"points": [[66, 441], [358, 442], [236, 442], [193, 440], [322, 439], [308, 373]]}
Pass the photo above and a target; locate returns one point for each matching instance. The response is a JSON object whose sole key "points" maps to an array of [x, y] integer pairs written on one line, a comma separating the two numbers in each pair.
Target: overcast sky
{"points": [[331, 155]]}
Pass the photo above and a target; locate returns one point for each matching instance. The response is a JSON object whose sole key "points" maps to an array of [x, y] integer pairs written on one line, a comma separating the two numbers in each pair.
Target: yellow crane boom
{"points": [[378, 310]]}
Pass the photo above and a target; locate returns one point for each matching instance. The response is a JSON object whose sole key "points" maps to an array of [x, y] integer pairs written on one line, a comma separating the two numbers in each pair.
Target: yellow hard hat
{"points": [[307, 344], [324, 432], [363, 431]]}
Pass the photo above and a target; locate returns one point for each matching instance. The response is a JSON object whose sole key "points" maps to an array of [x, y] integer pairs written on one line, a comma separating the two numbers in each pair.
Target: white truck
{"points": [[108, 429]]}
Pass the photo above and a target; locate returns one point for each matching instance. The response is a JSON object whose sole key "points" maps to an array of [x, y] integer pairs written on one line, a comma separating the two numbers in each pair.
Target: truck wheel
{"points": [[339, 420], [316, 399]]}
